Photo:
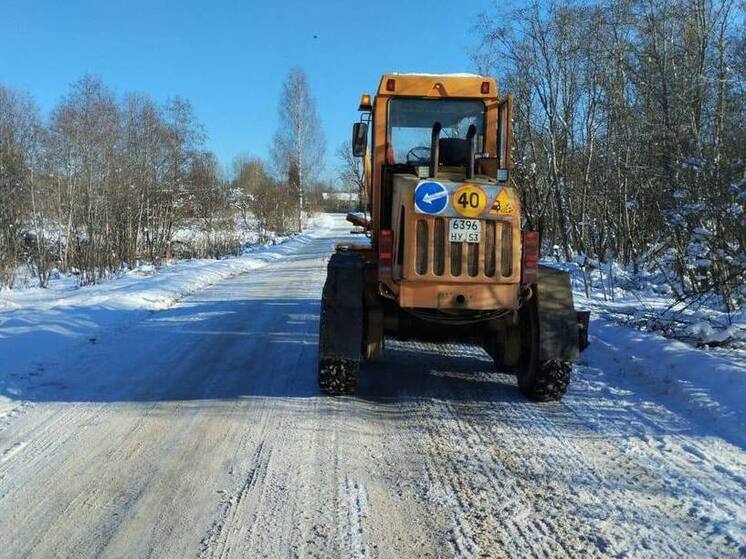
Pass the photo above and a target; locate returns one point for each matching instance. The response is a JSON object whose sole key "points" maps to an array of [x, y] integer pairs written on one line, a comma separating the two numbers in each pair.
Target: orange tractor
{"points": [[447, 258]]}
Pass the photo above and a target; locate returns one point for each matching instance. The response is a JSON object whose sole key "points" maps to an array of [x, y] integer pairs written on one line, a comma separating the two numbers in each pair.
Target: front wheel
{"points": [[542, 381]]}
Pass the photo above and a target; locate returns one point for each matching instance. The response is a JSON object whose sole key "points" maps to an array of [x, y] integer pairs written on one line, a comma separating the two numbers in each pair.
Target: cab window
{"points": [[411, 122]]}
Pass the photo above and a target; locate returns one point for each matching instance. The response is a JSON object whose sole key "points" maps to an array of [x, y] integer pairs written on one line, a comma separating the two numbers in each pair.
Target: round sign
{"points": [[430, 197], [469, 200]]}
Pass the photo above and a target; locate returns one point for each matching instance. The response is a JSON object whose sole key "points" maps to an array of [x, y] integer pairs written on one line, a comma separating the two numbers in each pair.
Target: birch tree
{"points": [[298, 146]]}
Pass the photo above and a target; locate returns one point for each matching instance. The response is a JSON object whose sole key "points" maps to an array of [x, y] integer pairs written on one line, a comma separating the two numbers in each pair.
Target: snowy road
{"points": [[198, 431]]}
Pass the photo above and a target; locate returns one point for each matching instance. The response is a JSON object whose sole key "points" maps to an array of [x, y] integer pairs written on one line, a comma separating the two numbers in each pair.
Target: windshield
{"points": [[411, 123]]}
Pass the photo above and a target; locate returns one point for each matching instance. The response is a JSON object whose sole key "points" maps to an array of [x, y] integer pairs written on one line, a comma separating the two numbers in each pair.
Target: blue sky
{"points": [[230, 58]]}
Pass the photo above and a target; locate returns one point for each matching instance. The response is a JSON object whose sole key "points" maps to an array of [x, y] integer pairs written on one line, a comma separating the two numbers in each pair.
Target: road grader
{"points": [[446, 256]]}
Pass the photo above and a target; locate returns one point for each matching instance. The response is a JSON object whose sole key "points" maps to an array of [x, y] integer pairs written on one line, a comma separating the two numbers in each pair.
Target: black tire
{"points": [[374, 350], [549, 383], [338, 377], [495, 344], [489, 345], [541, 381]]}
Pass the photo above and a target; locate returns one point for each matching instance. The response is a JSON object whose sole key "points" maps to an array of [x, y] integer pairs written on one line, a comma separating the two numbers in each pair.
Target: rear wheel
{"points": [[504, 347], [543, 381], [341, 324], [338, 377]]}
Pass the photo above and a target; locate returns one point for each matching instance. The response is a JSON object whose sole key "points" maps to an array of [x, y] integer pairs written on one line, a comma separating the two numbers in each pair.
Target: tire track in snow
{"points": [[353, 509], [699, 469], [486, 456], [217, 542]]}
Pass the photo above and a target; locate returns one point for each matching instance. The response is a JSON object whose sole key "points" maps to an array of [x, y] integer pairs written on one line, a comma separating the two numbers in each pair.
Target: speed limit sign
{"points": [[469, 200]]}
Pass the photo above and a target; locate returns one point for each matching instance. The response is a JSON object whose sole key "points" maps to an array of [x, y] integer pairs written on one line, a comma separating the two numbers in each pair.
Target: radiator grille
{"points": [[456, 250], [436, 255], [439, 246], [422, 242], [506, 251]]}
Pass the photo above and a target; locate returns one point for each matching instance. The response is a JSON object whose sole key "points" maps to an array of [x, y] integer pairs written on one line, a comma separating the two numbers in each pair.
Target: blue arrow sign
{"points": [[430, 197]]}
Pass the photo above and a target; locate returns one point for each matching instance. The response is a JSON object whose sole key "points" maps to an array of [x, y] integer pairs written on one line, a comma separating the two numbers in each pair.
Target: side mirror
{"points": [[359, 138]]}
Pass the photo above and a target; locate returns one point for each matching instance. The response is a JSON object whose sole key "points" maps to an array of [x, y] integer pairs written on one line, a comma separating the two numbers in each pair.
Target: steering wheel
{"points": [[418, 154]]}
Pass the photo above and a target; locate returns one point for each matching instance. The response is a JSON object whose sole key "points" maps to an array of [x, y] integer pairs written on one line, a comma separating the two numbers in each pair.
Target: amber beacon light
{"points": [[365, 103]]}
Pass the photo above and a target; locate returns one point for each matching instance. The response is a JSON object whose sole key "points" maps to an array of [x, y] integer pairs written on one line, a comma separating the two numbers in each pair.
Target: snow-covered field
{"points": [[176, 414]]}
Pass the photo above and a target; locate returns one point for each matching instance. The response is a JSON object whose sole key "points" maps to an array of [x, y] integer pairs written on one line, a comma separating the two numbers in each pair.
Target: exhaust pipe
{"points": [[435, 150], [472, 155]]}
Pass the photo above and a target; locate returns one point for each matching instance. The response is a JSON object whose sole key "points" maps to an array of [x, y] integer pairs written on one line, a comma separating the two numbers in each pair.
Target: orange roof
{"points": [[438, 85]]}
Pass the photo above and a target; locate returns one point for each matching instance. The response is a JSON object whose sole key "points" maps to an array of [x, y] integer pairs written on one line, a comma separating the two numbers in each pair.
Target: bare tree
{"points": [[351, 173], [209, 199], [298, 146], [257, 194], [19, 133], [106, 183], [248, 172], [629, 134]]}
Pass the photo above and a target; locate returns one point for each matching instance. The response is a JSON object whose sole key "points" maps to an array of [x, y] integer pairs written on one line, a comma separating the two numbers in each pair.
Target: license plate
{"points": [[464, 231]]}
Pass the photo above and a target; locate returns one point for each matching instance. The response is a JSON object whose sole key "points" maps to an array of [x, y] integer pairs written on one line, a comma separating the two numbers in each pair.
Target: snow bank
{"points": [[36, 324], [707, 388], [689, 357], [645, 301]]}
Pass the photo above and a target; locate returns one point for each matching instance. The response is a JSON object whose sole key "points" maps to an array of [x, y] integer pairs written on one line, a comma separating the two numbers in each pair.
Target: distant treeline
{"points": [[105, 182], [630, 131]]}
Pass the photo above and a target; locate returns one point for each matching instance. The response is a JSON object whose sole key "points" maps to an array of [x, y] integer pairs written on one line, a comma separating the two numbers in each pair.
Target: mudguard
{"points": [[373, 327], [341, 334], [558, 321]]}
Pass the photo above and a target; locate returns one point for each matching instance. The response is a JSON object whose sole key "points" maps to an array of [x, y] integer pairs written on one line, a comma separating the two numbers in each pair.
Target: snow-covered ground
{"points": [[158, 415], [706, 388], [692, 360], [706, 384], [36, 324], [645, 301]]}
